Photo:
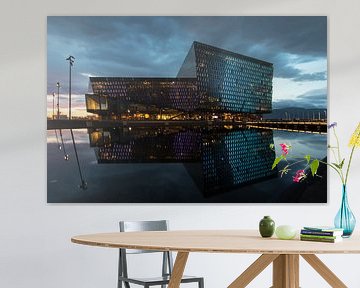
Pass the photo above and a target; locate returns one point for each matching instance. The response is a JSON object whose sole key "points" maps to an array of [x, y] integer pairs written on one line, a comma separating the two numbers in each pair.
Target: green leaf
{"points": [[339, 166], [314, 166], [272, 146], [307, 157], [277, 161], [336, 165], [342, 163]]}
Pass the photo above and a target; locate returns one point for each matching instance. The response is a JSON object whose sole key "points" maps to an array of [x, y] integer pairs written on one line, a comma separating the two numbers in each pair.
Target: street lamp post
{"points": [[53, 114], [71, 62], [58, 97]]}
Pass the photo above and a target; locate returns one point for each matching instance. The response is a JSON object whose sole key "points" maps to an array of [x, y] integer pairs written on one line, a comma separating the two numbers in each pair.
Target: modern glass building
{"points": [[211, 80], [140, 96], [227, 81]]}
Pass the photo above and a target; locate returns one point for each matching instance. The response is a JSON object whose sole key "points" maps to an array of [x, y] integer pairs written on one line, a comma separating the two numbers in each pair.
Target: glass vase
{"points": [[345, 219]]}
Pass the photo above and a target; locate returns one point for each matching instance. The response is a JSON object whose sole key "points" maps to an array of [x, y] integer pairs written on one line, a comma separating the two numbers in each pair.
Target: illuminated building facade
{"points": [[227, 81], [129, 96], [211, 80]]}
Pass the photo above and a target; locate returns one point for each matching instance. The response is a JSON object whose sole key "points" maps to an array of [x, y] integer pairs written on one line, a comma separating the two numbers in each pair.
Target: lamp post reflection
{"points": [[83, 184], [66, 156], [57, 140]]}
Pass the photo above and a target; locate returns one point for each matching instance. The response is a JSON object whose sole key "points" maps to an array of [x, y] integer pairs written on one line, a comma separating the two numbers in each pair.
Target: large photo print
{"points": [[186, 109]]}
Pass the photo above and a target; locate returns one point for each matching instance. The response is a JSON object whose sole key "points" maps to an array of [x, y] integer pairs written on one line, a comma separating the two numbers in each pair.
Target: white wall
{"points": [[35, 248]]}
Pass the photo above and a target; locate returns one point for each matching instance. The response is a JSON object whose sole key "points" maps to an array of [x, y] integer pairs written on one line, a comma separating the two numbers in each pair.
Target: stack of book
{"points": [[321, 234]]}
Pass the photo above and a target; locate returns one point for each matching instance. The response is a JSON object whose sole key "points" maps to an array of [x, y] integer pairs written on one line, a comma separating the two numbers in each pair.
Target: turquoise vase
{"points": [[345, 219]]}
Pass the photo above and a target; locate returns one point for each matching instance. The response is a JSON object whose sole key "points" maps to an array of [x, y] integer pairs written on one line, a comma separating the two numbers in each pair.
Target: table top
{"points": [[216, 241]]}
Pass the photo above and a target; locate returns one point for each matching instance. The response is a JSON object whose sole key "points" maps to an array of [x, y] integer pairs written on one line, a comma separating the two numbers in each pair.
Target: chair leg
{"points": [[201, 283]]}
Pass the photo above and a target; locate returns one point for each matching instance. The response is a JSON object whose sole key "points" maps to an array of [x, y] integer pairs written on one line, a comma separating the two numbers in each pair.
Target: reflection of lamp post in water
{"points": [[71, 62], [66, 156], [83, 184], [58, 99], [57, 140]]}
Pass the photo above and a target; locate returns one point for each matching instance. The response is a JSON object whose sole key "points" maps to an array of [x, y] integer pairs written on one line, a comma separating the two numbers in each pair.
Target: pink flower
{"points": [[300, 175], [284, 148]]}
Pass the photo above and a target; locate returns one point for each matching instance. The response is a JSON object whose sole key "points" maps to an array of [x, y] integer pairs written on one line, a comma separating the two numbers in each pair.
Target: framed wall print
{"points": [[186, 109]]}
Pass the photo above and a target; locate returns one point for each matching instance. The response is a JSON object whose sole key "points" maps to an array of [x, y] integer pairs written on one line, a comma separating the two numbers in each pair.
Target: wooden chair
{"points": [[167, 262]]}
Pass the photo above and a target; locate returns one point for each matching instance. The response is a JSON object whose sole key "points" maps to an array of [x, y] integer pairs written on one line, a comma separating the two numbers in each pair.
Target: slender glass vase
{"points": [[345, 219]]}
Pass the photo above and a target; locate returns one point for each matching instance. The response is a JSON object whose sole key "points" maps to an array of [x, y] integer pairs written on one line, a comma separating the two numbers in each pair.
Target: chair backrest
{"points": [[134, 226]]}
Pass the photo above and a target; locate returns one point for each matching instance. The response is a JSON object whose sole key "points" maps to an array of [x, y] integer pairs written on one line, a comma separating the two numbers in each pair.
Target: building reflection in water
{"points": [[216, 159]]}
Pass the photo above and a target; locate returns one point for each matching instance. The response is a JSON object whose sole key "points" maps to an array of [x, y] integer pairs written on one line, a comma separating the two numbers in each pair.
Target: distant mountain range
{"points": [[296, 113]]}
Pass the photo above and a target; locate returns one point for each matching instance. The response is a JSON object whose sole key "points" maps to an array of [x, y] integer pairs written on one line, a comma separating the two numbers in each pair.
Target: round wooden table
{"points": [[284, 254]]}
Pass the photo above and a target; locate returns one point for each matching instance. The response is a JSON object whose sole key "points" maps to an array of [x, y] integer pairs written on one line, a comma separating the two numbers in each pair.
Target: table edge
{"points": [[206, 250]]}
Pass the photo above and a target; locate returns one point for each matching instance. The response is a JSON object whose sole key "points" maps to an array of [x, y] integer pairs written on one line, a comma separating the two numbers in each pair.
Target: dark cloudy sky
{"points": [[157, 46]]}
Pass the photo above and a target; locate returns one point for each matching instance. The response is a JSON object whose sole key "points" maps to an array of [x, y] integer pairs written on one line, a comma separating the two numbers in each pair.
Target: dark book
{"points": [[321, 233]]}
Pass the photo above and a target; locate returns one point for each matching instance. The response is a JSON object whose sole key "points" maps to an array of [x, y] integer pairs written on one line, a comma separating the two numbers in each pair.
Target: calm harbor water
{"points": [[178, 165]]}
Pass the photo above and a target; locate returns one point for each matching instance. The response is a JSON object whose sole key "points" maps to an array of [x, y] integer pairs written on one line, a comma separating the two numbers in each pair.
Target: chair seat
{"points": [[158, 280]]}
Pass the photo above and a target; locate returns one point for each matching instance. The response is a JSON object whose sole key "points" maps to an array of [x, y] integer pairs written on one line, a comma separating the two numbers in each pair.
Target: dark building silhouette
{"points": [[210, 81], [146, 145], [217, 160]]}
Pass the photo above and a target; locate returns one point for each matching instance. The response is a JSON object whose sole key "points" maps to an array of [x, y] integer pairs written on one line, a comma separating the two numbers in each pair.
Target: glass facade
{"points": [[142, 95], [211, 80], [229, 82]]}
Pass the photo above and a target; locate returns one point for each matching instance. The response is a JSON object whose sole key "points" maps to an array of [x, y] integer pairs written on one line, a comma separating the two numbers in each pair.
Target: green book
{"points": [[325, 240], [319, 236]]}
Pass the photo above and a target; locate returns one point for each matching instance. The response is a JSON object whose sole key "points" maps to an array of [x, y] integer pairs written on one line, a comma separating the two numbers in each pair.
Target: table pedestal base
{"points": [[286, 271]]}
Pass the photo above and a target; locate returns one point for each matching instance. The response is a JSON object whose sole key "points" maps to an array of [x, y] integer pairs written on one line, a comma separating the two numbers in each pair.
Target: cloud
{"points": [[295, 67], [316, 98], [319, 76], [157, 46]]}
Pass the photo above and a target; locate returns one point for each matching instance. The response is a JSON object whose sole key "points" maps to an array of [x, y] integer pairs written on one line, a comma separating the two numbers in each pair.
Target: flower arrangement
{"points": [[344, 218], [314, 163]]}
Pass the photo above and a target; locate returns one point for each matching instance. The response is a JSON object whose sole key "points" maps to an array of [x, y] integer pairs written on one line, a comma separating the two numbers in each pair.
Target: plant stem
{"points": [[339, 162], [348, 166], [338, 146], [296, 162], [336, 169], [333, 152], [350, 159]]}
